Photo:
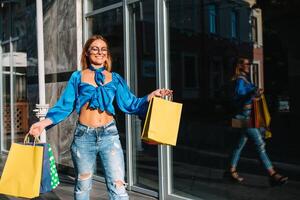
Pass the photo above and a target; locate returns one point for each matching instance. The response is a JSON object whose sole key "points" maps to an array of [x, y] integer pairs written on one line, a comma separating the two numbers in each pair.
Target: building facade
{"points": [[189, 46]]}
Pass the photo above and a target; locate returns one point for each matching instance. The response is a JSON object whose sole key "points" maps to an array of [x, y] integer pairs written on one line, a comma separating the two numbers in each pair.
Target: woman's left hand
{"points": [[160, 93]]}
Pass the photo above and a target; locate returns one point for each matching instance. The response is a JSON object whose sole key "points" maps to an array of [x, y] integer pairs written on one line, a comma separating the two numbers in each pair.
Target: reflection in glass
{"points": [[212, 18], [6, 105], [110, 25], [143, 68], [21, 105], [5, 21], [18, 19], [96, 4], [15, 67], [201, 66]]}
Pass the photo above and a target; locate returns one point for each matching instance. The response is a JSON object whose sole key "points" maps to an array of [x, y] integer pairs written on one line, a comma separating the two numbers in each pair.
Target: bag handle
{"points": [[168, 97], [27, 140]]}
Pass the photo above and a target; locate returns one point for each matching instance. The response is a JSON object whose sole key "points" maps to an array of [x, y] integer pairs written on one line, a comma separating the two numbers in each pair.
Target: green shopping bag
{"points": [[53, 170]]}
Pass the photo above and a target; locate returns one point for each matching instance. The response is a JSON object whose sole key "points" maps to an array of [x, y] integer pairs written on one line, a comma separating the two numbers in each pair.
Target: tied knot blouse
{"points": [[77, 94]]}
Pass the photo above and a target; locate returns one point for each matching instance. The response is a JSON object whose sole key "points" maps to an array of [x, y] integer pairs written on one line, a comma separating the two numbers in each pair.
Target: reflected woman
{"points": [[244, 93], [91, 93]]}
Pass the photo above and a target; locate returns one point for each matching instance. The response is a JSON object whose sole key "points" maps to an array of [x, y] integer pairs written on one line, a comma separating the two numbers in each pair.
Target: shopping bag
{"points": [[21, 176], [267, 115], [53, 170], [240, 123], [162, 122], [45, 185], [258, 114], [261, 115]]}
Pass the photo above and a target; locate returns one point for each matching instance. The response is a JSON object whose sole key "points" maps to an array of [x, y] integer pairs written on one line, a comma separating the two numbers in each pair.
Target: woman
{"points": [[91, 93], [245, 91]]}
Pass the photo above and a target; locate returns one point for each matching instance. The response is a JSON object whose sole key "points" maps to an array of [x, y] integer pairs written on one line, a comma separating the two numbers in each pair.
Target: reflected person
{"points": [[244, 93]]}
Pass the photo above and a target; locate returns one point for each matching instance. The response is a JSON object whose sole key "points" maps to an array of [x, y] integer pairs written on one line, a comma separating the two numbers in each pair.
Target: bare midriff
{"points": [[89, 117], [94, 118]]}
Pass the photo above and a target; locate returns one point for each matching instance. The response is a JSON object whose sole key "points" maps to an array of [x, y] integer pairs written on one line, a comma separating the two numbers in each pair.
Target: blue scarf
{"points": [[99, 76]]}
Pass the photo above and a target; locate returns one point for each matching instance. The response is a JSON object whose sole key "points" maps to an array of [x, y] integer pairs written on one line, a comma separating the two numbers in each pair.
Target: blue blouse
{"points": [[244, 90], [77, 94]]}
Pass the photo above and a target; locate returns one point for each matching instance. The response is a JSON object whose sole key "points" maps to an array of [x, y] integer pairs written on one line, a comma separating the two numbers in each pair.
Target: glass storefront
{"points": [[188, 46]]}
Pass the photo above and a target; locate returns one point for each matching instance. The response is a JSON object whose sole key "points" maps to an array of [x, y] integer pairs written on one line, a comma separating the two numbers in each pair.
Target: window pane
{"points": [[5, 21], [233, 24], [201, 69], [145, 160], [212, 18], [254, 29], [20, 93]]}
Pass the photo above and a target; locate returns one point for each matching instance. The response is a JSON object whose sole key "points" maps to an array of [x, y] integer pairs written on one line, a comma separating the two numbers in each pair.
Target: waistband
{"points": [[85, 127]]}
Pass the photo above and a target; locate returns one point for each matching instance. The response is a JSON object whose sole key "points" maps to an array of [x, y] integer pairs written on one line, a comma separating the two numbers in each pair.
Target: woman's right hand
{"points": [[160, 93], [37, 128], [259, 92]]}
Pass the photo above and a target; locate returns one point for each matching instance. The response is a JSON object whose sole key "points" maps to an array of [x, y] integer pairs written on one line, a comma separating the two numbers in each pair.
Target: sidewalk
{"points": [[65, 190], [202, 181]]}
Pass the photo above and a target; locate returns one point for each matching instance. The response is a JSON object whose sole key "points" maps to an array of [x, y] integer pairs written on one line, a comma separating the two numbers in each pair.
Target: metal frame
{"points": [[12, 121], [127, 72], [79, 32], [42, 107], [162, 82], [1, 100]]}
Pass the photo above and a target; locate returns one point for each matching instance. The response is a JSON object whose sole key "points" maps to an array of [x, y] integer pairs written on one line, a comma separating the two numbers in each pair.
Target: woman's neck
{"points": [[244, 74], [97, 66]]}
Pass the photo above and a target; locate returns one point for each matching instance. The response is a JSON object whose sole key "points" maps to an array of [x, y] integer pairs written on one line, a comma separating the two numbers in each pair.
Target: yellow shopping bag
{"points": [[162, 122], [267, 116], [21, 176], [262, 117]]}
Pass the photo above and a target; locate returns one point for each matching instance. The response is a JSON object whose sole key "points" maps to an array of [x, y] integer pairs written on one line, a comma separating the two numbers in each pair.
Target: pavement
{"points": [[64, 191], [205, 182]]}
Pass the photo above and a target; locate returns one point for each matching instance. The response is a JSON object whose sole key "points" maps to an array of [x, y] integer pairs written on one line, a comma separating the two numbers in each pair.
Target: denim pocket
{"points": [[111, 130], [79, 132]]}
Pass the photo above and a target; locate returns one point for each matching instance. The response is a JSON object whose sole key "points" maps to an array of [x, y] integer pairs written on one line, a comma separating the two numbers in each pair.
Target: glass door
{"points": [[143, 79], [109, 24]]}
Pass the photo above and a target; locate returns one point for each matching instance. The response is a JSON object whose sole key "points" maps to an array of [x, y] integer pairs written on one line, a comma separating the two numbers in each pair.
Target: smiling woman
{"points": [[91, 93]]}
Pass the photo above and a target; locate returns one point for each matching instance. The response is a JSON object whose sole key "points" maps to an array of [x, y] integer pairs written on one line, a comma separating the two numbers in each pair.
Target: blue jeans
{"points": [[256, 136], [103, 142]]}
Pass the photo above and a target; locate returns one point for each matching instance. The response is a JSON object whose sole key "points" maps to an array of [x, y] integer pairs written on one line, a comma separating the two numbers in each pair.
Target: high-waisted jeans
{"points": [[102, 142], [255, 135]]}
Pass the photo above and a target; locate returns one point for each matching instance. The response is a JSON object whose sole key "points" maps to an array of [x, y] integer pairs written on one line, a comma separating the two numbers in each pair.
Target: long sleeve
{"points": [[244, 91], [128, 102], [66, 103]]}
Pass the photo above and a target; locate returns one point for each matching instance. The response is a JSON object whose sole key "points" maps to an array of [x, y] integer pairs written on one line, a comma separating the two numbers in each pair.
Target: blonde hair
{"points": [[239, 67], [85, 61]]}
